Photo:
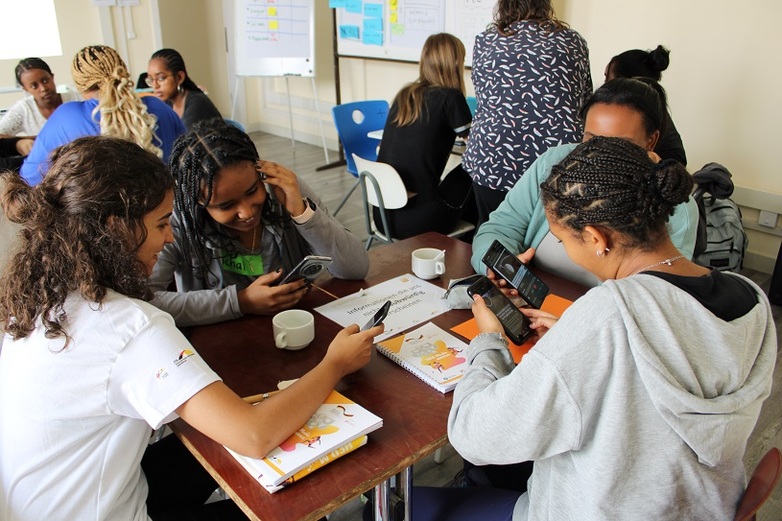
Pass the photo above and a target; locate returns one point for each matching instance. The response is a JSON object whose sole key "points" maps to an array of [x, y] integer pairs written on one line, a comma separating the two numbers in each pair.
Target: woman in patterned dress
{"points": [[531, 76]]}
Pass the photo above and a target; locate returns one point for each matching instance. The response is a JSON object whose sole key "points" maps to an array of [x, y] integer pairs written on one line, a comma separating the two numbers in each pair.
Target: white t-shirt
{"points": [[24, 118], [75, 419]]}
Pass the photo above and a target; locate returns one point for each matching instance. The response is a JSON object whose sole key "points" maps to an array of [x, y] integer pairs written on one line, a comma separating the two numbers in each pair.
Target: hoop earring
{"points": [[179, 88]]}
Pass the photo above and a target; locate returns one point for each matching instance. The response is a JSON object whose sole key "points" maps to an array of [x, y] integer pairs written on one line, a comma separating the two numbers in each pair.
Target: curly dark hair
{"points": [[612, 184], [81, 229], [508, 12], [196, 159]]}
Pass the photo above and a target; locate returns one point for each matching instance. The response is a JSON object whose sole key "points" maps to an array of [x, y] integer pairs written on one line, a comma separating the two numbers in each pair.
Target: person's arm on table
{"points": [[254, 430]]}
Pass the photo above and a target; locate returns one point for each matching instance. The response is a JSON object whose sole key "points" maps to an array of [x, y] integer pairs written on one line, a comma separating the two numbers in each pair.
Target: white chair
{"points": [[382, 188]]}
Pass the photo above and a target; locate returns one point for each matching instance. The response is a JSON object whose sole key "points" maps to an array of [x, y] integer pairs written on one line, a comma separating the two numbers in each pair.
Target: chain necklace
{"points": [[666, 261], [252, 250]]}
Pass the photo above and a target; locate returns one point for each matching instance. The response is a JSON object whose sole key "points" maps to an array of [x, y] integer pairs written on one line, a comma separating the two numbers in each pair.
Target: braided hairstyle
{"points": [[27, 64], [122, 113], [81, 229], [612, 183], [175, 63], [196, 159]]}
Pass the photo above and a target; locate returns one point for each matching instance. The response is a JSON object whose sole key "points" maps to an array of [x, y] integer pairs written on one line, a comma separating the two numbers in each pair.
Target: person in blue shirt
{"points": [[111, 108]]}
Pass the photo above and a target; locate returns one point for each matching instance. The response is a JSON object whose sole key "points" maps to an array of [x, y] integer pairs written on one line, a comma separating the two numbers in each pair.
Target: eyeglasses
{"points": [[160, 78]]}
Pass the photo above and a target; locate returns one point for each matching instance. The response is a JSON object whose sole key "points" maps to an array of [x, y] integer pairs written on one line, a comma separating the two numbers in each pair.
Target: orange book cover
{"points": [[553, 304]]}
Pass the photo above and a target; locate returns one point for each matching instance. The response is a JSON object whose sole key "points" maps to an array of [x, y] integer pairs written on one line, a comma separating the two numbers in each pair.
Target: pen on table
{"points": [[255, 398], [324, 291]]}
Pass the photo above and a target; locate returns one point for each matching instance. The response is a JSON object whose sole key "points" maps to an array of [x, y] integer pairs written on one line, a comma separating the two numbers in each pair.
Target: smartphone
{"points": [[309, 268], [514, 322], [506, 265], [379, 317]]}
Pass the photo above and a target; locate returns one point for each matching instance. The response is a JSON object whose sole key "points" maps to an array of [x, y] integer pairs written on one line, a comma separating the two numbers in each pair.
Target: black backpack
{"points": [[721, 242]]}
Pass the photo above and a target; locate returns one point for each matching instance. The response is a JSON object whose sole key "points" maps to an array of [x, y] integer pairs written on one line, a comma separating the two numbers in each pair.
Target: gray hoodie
{"points": [[637, 405]]}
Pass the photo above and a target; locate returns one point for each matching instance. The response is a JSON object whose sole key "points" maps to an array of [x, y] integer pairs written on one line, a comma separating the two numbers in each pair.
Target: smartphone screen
{"points": [[514, 322], [506, 265], [379, 316]]}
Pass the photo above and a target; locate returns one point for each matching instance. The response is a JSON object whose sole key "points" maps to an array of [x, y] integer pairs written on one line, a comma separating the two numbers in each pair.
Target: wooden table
{"points": [[414, 415]]}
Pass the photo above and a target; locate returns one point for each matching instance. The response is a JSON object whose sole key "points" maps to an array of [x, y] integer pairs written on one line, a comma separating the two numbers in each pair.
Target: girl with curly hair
{"points": [[86, 370]]}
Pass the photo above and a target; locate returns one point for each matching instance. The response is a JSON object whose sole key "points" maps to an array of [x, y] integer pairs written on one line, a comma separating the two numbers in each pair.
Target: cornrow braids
{"points": [[122, 113], [27, 64], [196, 159], [175, 63], [613, 184]]}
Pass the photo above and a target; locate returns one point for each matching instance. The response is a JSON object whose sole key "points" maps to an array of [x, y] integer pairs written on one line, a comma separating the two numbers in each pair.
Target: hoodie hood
{"points": [[713, 415]]}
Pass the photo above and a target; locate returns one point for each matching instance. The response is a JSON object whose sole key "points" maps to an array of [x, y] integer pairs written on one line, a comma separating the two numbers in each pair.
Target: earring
{"points": [[179, 88], [602, 253]]}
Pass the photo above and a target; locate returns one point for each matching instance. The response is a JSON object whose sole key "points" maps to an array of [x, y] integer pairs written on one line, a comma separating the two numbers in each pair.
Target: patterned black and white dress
{"points": [[530, 87]]}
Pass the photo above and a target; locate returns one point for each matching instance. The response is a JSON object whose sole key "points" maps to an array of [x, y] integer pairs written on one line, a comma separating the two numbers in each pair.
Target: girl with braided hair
{"points": [[167, 75], [638, 402], [240, 223], [87, 368], [633, 109], [111, 108]]}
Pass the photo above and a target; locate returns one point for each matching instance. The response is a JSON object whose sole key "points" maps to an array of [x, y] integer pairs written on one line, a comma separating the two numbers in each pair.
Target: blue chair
{"points": [[234, 123], [353, 122], [472, 103]]}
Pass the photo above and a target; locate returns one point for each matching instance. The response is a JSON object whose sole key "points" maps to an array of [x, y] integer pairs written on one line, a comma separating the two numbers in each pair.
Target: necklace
{"points": [[252, 249], [666, 261]]}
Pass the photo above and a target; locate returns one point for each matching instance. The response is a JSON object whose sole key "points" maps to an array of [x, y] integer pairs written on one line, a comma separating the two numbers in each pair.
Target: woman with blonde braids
{"points": [[111, 107]]}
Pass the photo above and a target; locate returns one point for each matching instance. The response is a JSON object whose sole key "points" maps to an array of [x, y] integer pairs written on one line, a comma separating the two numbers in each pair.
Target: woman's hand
{"points": [[286, 186], [486, 319], [540, 321], [260, 298], [502, 284], [352, 349]]}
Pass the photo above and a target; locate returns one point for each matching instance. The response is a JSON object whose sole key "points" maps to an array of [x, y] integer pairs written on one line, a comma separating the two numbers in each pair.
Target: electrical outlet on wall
{"points": [[767, 219]]}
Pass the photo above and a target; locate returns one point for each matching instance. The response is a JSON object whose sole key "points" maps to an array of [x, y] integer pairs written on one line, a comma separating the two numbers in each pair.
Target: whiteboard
{"points": [[396, 30], [274, 37]]}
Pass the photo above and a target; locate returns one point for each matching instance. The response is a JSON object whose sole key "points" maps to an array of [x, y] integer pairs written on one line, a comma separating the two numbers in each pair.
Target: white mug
{"points": [[428, 263], [293, 329]]}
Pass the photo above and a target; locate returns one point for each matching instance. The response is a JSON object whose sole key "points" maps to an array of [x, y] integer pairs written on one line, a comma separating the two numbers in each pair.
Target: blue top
{"points": [[74, 119]]}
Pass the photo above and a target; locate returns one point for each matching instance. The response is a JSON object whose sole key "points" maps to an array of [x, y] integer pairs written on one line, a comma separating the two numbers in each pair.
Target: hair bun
{"points": [[659, 58], [672, 182]]}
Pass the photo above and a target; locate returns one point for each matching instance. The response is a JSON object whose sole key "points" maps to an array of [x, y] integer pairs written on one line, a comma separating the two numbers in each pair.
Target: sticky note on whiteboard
{"points": [[373, 10], [373, 25], [349, 31], [373, 38]]}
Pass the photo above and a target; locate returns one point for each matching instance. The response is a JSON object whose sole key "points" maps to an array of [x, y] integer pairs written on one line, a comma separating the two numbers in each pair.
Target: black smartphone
{"points": [[506, 265], [514, 322], [379, 317], [309, 268]]}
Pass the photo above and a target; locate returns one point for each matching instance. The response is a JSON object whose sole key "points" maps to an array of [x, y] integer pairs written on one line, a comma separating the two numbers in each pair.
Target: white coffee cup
{"points": [[293, 329], [428, 263]]}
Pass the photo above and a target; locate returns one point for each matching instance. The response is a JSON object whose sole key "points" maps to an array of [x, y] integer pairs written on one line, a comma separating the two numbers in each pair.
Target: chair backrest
{"points": [[472, 102], [353, 122], [234, 123], [761, 485], [392, 189]]}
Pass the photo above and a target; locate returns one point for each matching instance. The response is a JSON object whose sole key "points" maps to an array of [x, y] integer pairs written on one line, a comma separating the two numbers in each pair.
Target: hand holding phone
{"points": [[513, 321], [379, 316], [507, 266], [309, 268]]}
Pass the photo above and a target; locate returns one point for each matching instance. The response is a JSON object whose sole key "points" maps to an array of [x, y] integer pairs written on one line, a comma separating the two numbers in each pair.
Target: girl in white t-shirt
{"points": [[85, 369]]}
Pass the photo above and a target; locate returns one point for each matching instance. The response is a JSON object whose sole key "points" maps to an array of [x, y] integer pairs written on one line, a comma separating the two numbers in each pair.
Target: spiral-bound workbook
{"points": [[430, 353]]}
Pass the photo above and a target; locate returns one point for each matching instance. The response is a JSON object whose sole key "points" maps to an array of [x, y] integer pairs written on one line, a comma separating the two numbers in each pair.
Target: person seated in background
{"points": [[423, 122], [632, 109], [80, 374], [12, 152], [27, 116], [111, 108], [650, 64], [167, 76], [241, 223], [638, 402]]}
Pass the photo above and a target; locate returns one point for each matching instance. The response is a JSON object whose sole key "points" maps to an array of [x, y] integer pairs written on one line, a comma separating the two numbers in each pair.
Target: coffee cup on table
{"points": [[428, 263], [293, 329]]}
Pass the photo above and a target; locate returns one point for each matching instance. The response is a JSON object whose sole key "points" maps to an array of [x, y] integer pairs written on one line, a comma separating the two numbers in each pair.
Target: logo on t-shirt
{"points": [[183, 356]]}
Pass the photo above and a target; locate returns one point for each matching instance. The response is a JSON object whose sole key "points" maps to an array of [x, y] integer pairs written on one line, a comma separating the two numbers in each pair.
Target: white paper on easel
{"points": [[413, 302]]}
